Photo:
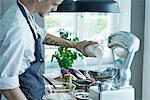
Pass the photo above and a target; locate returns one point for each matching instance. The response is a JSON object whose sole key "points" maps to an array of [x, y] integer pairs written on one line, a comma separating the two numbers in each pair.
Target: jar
{"points": [[92, 50]]}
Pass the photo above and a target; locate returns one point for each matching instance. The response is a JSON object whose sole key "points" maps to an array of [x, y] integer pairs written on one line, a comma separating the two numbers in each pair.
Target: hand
{"points": [[80, 46]]}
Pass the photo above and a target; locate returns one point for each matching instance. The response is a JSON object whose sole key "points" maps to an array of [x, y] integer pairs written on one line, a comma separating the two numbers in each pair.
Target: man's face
{"points": [[46, 6]]}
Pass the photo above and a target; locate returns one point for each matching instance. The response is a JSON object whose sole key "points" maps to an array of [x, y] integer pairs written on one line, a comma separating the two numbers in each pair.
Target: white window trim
{"points": [[122, 20]]}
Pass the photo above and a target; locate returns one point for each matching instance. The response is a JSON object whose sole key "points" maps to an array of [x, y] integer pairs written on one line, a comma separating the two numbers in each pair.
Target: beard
{"points": [[41, 14]]}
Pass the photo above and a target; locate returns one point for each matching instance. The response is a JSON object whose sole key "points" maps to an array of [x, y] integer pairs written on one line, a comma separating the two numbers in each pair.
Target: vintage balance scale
{"points": [[113, 83]]}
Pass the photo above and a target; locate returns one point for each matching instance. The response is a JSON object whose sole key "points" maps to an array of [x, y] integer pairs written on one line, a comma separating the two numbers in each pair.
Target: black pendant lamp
{"points": [[67, 6], [109, 6]]}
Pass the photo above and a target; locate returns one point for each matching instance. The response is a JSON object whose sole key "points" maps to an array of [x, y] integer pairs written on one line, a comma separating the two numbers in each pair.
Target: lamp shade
{"points": [[109, 6], [67, 6]]}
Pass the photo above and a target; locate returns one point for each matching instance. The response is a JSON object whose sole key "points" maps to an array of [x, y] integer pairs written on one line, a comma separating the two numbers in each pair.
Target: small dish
{"points": [[82, 96], [59, 96]]}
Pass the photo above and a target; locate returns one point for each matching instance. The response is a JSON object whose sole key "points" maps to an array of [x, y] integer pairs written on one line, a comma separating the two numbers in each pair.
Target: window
{"points": [[87, 26]]}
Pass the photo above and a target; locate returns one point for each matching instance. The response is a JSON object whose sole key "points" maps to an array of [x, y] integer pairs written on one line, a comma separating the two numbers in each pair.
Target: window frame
{"points": [[91, 61], [117, 20]]}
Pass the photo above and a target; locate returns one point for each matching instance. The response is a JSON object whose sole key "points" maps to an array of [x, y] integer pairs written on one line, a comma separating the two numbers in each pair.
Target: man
{"points": [[20, 52]]}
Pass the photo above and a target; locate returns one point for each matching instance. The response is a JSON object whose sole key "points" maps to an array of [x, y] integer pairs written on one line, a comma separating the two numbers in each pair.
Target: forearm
{"points": [[14, 94], [53, 40]]}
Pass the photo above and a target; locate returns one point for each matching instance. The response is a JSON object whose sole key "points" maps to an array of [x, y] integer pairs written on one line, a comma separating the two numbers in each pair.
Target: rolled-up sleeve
{"points": [[11, 58], [9, 82]]}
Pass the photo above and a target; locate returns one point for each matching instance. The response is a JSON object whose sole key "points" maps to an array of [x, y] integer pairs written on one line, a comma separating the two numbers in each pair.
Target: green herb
{"points": [[64, 55]]}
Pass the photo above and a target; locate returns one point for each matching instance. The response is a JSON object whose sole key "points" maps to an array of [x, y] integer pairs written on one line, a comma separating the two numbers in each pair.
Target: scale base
{"points": [[118, 94]]}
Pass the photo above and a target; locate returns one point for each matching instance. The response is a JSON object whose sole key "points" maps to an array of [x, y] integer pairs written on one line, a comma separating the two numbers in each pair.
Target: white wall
{"points": [[122, 21], [125, 16], [146, 65]]}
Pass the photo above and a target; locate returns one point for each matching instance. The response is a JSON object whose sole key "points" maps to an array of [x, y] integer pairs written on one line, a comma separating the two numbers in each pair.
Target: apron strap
{"points": [[39, 58]]}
